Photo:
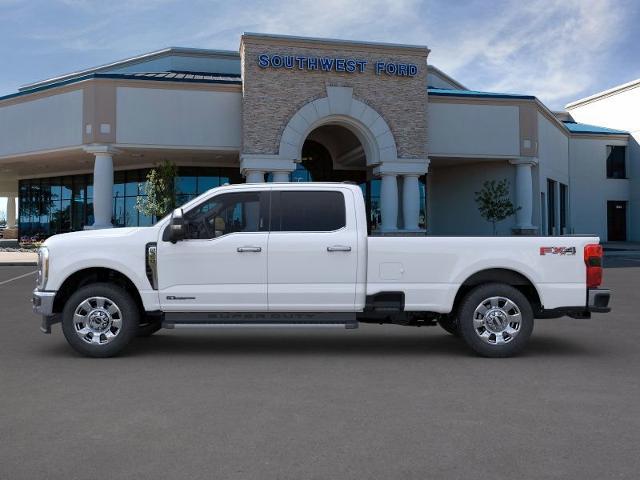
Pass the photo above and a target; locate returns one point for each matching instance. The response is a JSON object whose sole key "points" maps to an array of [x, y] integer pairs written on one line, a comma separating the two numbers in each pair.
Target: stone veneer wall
{"points": [[271, 96]]}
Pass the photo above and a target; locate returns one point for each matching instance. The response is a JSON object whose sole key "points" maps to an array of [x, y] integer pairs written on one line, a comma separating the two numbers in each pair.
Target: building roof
{"points": [[604, 93], [575, 127], [436, 71], [145, 57], [445, 92], [171, 76], [175, 75]]}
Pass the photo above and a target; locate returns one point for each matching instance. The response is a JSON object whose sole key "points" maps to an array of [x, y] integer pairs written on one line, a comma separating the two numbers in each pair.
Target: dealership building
{"points": [[75, 150]]}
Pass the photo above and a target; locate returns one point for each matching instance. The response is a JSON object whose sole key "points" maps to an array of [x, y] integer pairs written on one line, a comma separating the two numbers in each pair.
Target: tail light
{"points": [[593, 261]]}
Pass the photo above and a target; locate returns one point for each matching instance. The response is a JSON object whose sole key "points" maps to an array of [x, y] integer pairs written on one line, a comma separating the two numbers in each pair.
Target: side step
{"points": [[259, 320]]}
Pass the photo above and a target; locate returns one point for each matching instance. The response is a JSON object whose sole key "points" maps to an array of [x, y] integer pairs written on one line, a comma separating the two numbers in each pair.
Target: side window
{"points": [[227, 213], [309, 211], [616, 161]]}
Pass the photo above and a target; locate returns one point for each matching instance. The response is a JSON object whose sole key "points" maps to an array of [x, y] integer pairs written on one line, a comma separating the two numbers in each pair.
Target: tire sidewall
{"points": [[471, 302], [129, 326]]}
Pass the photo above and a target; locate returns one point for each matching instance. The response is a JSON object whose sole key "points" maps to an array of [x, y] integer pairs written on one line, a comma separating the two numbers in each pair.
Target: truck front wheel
{"points": [[495, 320], [100, 319]]}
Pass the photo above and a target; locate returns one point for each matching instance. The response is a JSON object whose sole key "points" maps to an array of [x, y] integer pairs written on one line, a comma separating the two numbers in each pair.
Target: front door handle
{"points": [[339, 248], [249, 249]]}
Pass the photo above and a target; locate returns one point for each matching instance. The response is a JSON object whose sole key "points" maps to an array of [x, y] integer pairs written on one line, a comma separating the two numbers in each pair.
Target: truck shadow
{"points": [[241, 344]]}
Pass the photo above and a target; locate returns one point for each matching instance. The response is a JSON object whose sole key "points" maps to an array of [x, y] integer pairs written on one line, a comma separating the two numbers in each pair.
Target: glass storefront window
{"points": [[60, 204], [207, 183], [118, 212]]}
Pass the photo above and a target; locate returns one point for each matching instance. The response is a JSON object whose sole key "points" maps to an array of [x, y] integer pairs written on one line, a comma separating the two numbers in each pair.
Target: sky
{"points": [[558, 50]]}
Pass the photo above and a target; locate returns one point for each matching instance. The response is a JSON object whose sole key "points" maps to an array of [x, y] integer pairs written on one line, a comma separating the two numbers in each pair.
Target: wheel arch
{"points": [[89, 275], [500, 275]]}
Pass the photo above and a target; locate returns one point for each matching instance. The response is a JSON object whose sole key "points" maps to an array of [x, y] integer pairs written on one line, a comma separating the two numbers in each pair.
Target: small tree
{"points": [[494, 203], [160, 191]]}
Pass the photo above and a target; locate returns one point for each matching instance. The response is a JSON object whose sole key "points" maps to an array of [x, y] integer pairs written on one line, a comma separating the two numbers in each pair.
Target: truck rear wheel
{"points": [[100, 319], [495, 320]]}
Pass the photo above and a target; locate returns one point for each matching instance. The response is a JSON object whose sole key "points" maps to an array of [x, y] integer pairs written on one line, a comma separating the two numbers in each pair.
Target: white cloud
{"points": [[553, 49], [549, 48], [349, 19]]}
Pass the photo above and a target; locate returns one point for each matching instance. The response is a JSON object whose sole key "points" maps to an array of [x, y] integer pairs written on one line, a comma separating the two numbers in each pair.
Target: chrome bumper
{"points": [[42, 304], [598, 300]]}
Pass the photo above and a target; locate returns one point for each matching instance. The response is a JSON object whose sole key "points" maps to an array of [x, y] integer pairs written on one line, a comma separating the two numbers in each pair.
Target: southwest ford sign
{"points": [[335, 64]]}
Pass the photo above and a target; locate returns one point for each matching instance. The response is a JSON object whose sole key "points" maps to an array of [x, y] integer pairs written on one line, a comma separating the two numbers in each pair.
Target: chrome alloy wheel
{"points": [[97, 320], [497, 320]]}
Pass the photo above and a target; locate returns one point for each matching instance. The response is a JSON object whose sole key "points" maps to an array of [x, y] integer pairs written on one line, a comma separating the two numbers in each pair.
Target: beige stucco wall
{"points": [[272, 96], [48, 122], [473, 129], [178, 117]]}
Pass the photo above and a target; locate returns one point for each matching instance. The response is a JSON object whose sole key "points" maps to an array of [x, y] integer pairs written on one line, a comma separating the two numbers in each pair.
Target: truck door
{"points": [[222, 264], [313, 251]]}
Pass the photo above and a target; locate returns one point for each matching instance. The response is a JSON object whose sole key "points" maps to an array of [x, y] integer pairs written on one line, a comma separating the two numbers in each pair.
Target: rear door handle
{"points": [[339, 248], [249, 249]]}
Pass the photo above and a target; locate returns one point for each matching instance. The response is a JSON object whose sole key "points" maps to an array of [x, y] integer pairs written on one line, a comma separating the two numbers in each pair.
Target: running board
{"points": [[259, 320]]}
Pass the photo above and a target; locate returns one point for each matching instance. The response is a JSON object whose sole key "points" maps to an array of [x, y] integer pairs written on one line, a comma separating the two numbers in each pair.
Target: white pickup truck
{"points": [[298, 255]]}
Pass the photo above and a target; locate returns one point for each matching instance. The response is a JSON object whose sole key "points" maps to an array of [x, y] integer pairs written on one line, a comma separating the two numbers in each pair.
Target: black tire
{"points": [[147, 329], [128, 326], [513, 344], [449, 323]]}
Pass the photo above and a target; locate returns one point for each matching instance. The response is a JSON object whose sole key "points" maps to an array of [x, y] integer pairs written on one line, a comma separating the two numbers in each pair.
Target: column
{"points": [[102, 186], [254, 176], [280, 176], [410, 201], [253, 167], [11, 212], [524, 194], [389, 202]]}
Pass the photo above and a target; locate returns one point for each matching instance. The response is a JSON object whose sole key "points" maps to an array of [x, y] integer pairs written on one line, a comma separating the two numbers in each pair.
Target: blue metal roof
{"points": [[188, 77], [445, 92], [575, 127]]}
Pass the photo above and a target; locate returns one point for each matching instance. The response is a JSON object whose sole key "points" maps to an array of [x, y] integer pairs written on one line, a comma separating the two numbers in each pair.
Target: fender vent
{"points": [[151, 264]]}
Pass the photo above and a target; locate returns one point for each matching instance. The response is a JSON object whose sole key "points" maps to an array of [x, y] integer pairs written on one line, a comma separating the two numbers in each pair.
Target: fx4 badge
{"points": [[557, 250]]}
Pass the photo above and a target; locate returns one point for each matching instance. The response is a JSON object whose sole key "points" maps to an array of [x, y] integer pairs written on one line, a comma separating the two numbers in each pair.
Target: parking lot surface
{"points": [[380, 402]]}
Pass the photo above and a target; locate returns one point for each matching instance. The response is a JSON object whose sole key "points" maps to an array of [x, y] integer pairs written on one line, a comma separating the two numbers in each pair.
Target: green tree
{"points": [[494, 202], [159, 190]]}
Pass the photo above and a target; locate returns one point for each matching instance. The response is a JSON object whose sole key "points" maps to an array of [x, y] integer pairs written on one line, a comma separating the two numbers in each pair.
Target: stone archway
{"points": [[340, 108]]}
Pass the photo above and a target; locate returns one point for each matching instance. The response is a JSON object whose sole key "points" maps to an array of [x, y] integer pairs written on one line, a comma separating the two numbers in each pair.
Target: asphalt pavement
{"points": [[380, 402]]}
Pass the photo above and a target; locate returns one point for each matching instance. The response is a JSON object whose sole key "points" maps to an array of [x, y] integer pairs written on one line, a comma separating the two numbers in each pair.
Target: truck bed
{"points": [[429, 270]]}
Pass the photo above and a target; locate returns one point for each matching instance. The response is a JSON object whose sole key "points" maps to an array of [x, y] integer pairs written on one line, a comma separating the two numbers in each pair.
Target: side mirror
{"points": [[177, 226]]}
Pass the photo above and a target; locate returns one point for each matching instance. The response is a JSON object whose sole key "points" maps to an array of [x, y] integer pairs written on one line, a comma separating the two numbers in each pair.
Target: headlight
{"points": [[43, 267]]}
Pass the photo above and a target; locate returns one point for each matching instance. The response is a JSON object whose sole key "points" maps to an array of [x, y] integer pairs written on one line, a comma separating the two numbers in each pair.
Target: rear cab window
{"points": [[307, 211]]}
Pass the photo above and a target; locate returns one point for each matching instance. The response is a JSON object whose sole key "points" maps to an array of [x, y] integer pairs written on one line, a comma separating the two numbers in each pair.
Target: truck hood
{"points": [[91, 239]]}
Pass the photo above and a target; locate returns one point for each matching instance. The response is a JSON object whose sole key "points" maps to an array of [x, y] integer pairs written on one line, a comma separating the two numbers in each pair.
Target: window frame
{"points": [[264, 204], [276, 203]]}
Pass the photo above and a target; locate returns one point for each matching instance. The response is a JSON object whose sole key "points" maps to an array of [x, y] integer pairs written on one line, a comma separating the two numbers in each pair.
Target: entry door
{"points": [[222, 265], [617, 221], [313, 252]]}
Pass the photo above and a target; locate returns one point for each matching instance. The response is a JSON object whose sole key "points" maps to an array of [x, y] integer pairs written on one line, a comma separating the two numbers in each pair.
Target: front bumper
{"points": [[42, 304], [598, 300]]}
